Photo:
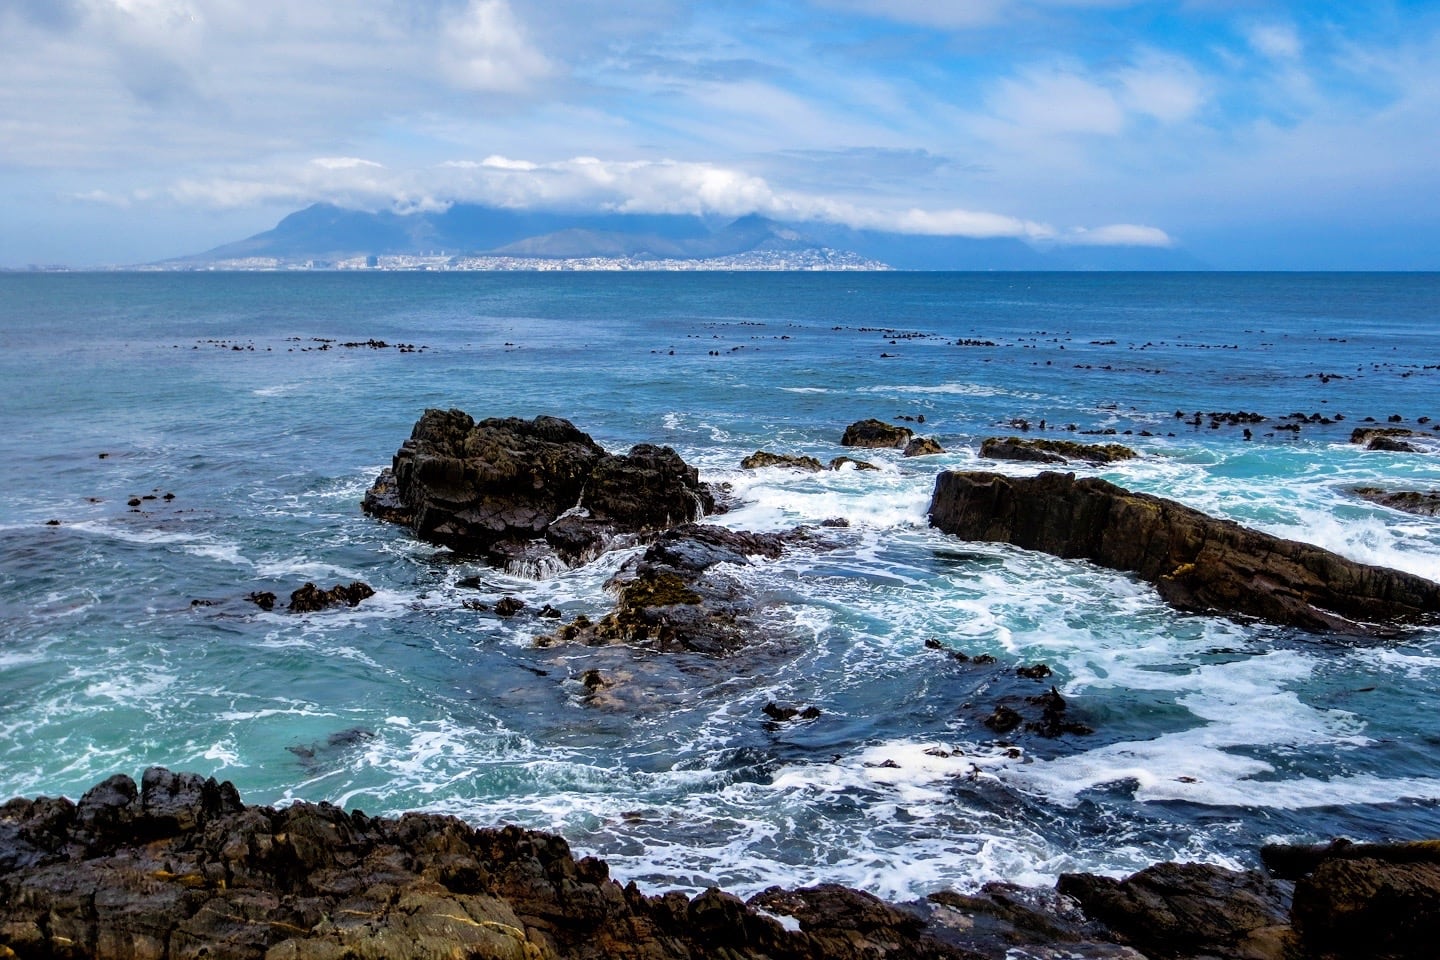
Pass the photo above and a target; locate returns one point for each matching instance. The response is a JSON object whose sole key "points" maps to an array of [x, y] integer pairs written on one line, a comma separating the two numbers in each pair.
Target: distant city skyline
{"points": [[1250, 135]]}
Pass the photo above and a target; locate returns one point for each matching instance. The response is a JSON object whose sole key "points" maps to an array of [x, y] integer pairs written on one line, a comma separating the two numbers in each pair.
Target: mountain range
{"points": [[324, 233]]}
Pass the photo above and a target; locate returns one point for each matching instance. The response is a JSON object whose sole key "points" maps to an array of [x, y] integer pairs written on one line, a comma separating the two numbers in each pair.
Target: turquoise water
{"points": [[1210, 736]]}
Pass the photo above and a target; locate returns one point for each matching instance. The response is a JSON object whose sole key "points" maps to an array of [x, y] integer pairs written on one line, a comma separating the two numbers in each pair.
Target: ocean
{"points": [[266, 404]]}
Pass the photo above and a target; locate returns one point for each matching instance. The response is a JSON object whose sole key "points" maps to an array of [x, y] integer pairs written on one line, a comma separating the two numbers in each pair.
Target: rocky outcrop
{"points": [[524, 493], [178, 866], [1197, 563], [673, 598], [839, 462], [763, 458], [875, 433], [1040, 450], [923, 447], [1418, 502], [310, 598], [1368, 435], [1188, 910]]}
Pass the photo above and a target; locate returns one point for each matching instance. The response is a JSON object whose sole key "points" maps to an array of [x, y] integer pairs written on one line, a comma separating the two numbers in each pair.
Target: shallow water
{"points": [[1210, 736]]}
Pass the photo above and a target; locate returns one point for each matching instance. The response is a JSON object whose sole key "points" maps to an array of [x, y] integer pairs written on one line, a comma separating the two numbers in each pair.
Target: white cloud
{"points": [[1116, 235], [488, 50], [1278, 41], [635, 186], [1167, 88], [1056, 100]]}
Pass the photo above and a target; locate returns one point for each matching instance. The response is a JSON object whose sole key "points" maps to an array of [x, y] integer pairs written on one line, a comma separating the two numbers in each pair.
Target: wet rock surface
{"points": [[763, 458], [1424, 503], [310, 598], [672, 597], [922, 447], [178, 866], [1196, 562], [1040, 450], [875, 433], [496, 488]]}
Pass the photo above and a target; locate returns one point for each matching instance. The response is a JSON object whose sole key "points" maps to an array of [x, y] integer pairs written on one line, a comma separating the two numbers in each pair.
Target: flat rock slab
{"points": [[1198, 563]]}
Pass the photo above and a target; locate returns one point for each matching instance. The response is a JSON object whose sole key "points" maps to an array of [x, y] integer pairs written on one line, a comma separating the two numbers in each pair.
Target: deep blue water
{"points": [[1210, 736]]}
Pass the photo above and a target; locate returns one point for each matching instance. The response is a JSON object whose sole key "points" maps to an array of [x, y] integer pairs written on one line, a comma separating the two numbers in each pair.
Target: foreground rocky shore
{"points": [[179, 866]]}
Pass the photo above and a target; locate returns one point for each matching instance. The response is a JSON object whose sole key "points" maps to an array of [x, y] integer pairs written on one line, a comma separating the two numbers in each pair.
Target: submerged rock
{"points": [[673, 598], [1418, 502], [1041, 450], [763, 458], [875, 433], [1196, 562], [839, 462], [526, 493]]}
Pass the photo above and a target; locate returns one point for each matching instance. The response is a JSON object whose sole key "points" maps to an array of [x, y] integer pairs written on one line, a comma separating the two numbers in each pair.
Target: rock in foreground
{"points": [[1197, 563], [180, 867], [524, 493]]}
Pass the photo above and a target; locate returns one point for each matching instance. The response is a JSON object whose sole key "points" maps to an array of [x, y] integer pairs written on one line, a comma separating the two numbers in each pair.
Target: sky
{"points": [[1251, 135]]}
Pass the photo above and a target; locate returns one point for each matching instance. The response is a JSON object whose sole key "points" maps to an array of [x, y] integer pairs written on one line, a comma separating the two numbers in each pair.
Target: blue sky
{"points": [[1252, 135]]}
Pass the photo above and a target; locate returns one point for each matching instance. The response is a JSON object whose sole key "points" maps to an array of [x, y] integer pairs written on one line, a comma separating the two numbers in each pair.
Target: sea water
{"points": [[126, 639]]}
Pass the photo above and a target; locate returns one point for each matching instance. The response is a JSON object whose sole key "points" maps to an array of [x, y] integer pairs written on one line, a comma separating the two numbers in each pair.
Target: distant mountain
{"points": [[327, 233]]}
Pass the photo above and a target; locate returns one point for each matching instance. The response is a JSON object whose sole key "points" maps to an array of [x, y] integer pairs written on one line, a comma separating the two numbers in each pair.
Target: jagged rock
{"points": [[1376, 901], [923, 447], [494, 488], [1367, 435], [763, 458], [1421, 503], [264, 599], [1196, 562], [1391, 445], [1188, 910], [839, 462], [1041, 450], [508, 606], [311, 598], [875, 433], [673, 598], [180, 867]]}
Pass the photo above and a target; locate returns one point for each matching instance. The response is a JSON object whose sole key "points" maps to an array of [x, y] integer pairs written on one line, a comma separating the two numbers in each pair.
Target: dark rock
{"points": [[311, 598], [1421, 503], [762, 458], [549, 613], [509, 606], [875, 433], [1041, 450], [52, 523], [1052, 721], [1366, 909], [922, 447], [180, 868], [835, 522], [839, 462], [133, 502], [1196, 562], [1367, 435], [674, 598], [263, 599], [1391, 445], [1188, 910], [1038, 671], [493, 488], [782, 712], [1004, 719]]}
